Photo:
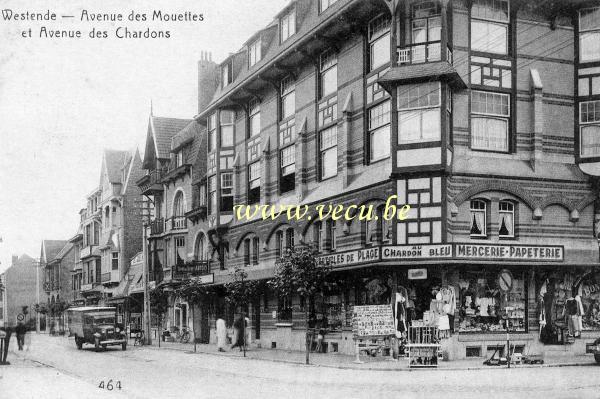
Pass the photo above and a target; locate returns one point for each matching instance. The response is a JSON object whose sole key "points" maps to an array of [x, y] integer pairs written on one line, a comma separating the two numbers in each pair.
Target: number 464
{"points": [[109, 385]]}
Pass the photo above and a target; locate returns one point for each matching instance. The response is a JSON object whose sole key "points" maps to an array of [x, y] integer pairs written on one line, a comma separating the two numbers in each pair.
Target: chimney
{"points": [[207, 79]]}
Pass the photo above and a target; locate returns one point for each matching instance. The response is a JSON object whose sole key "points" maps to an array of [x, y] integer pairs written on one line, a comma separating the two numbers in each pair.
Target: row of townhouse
{"points": [[94, 267], [482, 115]]}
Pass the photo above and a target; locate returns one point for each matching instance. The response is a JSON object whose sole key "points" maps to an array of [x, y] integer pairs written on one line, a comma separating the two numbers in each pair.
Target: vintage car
{"points": [[95, 325]]}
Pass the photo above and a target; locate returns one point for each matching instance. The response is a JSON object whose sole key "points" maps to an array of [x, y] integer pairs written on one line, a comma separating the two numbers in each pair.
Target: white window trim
{"points": [[512, 212], [507, 21], [484, 211], [438, 105]]}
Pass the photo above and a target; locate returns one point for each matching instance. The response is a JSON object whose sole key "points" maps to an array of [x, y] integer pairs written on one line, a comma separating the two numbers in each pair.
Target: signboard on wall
{"points": [[417, 274], [416, 252], [350, 257], [510, 252], [373, 320], [205, 279]]}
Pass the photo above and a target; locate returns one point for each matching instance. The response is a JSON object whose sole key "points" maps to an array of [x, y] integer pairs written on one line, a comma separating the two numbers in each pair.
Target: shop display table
{"points": [[423, 355]]}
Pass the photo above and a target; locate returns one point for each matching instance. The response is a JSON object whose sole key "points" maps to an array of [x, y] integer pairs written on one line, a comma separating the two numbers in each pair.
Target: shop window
{"points": [[226, 192], [589, 34], [254, 52], [227, 120], [489, 26], [287, 25], [419, 113], [483, 305], [379, 131], [287, 180], [328, 152], [327, 73], [328, 312], [288, 97], [379, 42], [506, 213], [490, 116], [473, 351], [478, 218], [589, 126], [254, 182]]}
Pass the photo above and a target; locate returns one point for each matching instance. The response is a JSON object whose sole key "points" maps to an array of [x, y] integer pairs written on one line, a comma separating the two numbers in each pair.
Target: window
{"points": [[113, 217], [379, 42], [115, 261], [288, 97], [419, 113], [212, 132], [506, 211], [288, 169], [289, 239], [319, 236], [254, 182], [589, 34], [179, 158], [379, 131], [179, 250], [254, 118], [255, 250], [478, 218], [325, 4], [96, 233], [589, 126], [426, 27], [279, 243], [212, 194], [328, 73], [254, 52], [489, 26], [202, 195], [179, 221], [288, 25], [247, 252], [490, 113], [227, 119], [332, 234], [226, 192], [200, 251], [107, 216], [226, 74], [328, 152]]}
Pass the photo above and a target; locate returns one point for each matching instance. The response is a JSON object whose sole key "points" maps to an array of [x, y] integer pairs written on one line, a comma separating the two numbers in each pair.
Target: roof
{"points": [[65, 250], [51, 248], [422, 72], [113, 162], [163, 130]]}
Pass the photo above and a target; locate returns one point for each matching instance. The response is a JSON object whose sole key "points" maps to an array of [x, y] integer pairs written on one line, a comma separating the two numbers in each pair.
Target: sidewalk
{"points": [[337, 360]]}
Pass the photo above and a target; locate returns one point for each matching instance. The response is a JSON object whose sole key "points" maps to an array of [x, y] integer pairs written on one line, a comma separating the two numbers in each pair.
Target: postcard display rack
{"points": [[424, 349], [373, 328]]}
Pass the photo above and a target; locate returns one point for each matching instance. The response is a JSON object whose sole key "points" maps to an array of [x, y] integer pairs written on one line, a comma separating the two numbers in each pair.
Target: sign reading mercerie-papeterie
{"points": [[510, 252]]}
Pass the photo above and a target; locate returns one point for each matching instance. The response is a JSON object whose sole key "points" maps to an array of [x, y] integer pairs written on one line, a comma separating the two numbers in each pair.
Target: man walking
{"points": [[21, 330]]}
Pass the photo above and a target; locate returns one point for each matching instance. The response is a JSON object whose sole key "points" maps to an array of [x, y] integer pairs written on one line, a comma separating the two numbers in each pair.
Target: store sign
{"points": [[205, 279], [416, 252], [350, 257], [510, 252], [417, 274], [373, 320]]}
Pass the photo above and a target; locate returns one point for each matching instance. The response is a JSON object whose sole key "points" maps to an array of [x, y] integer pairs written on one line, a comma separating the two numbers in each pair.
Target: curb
{"points": [[350, 367]]}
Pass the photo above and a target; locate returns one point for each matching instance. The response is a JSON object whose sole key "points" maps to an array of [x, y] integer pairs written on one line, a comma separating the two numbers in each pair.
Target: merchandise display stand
{"points": [[423, 347]]}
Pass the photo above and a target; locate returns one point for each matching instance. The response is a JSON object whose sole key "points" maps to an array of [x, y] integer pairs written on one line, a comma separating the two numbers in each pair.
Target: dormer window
{"points": [[254, 52], [589, 34], [325, 4], [489, 26], [287, 25], [179, 158], [226, 74]]}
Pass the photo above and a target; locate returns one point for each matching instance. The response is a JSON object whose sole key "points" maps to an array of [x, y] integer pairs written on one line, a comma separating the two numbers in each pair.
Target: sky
{"points": [[63, 100]]}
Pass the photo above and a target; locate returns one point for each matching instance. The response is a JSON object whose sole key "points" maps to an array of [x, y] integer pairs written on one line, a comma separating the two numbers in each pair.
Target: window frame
{"points": [[226, 126], [212, 194], [287, 25], [226, 74], [322, 151], [287, 181], [254, 167], [419, 110], [377, 30], [113, 261], [594, 31], [253, 116], [287, 90], [372, 130], [225, 187], [493, 116], [587, 124], [212, 131], [506, 24], [506, 211], [328, 63], [254, 52], [328, 2], [483, 211]]}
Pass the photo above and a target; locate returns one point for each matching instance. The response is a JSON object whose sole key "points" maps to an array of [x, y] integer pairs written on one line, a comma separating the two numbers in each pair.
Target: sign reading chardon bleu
{"points": [[510, 252], [350, 257], [416, 252]]}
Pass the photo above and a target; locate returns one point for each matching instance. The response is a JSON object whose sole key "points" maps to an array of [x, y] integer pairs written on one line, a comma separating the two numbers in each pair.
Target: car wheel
{"points": [[97, 344], [124, 346]]}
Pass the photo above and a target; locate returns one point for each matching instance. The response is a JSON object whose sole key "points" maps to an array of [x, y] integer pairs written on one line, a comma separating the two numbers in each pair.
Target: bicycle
{"points": [[183, 335], [139, 338]]}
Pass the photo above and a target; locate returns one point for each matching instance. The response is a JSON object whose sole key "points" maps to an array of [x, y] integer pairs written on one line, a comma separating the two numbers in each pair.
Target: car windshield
{"points": [[104, 320]]}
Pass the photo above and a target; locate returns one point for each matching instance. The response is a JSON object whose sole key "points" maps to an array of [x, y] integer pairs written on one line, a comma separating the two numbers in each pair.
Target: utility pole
{"points": [[146, 314]]}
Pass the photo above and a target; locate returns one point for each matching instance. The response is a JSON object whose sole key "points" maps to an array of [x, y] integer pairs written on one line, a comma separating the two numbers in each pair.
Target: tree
{"points": [[159, 302], [240, 292], [299, 273]]}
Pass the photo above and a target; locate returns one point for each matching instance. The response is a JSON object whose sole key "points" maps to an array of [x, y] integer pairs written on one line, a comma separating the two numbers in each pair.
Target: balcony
{"points": [[157, 226], [191, 269], [178, 222], [198, 213], [420, 53], [105, 277], [151, 183], [88, 251], [176, 173], [88, 287]]}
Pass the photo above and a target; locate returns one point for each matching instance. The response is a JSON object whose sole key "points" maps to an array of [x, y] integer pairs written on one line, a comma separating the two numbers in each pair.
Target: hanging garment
{"points": [[400, 317], [571, 307], [443, 323], [580, 310]]}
